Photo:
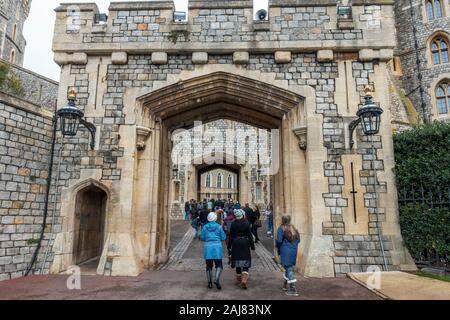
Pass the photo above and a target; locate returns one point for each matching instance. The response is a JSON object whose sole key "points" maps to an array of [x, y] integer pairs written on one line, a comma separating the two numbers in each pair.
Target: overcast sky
{"points": [[39, 33]]}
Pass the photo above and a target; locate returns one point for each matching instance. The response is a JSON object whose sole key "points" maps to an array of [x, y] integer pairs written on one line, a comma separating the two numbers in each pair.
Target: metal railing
{"points": [[427, 198]]}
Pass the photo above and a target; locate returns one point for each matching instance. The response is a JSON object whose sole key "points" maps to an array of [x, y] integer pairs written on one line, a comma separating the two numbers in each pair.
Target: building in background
{"points": [[27, 105], [13, 14], [421, 65]]}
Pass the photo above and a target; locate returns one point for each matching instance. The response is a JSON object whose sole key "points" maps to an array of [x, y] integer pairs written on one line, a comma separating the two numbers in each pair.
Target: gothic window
{"points": [[208, 180], [14, 34], [434, 9], [230, 182], [443, 97], [258, 192], [219, 180], [439, 51], [12, 57]]}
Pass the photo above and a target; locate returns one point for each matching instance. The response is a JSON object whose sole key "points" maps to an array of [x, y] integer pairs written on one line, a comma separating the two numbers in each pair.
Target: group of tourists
{"points": [[226, 222]]}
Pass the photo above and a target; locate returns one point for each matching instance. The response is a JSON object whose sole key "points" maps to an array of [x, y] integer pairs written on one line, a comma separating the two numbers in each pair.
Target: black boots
{"points": [[209, 276], [217, 280]]}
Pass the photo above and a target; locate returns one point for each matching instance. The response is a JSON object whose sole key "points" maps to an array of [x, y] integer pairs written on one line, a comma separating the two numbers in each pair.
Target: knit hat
{"points": [[239, 213], [212, 216]]}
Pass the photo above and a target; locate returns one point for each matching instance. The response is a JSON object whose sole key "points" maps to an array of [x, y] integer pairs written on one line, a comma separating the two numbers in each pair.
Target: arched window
{"points": [[219, 180], [434, 9], [439, 50], [443, 97], [230, 181], [14, 34], [12, 57], [208, 180]]}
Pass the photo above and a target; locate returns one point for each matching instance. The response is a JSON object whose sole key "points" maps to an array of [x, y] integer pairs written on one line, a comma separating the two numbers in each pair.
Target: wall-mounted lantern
{"points": [[369, 115], [71, 117], [175, 171], [344, 12]]}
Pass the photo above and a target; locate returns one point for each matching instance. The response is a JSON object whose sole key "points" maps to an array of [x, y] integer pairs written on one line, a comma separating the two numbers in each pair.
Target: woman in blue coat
{"points": [[288, 239], [213, 236]]}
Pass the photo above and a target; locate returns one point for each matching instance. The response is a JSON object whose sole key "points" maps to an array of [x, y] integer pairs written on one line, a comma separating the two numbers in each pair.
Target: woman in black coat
{"points": [[239, 245]]}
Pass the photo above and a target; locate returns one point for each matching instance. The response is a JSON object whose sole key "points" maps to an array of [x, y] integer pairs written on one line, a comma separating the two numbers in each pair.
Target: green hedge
{"points": [[422, 157]]}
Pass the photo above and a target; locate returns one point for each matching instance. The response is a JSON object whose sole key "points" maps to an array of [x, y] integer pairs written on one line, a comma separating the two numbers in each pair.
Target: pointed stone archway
{"points": [[207, 95], [84, 225]]}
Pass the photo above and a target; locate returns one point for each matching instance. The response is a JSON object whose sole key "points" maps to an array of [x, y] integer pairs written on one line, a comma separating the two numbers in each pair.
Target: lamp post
{"points": [[71, 117], [369, 116]]}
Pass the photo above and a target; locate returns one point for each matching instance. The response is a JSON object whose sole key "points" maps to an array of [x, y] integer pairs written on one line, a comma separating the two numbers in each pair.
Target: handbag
{"points": [[258, 223]]}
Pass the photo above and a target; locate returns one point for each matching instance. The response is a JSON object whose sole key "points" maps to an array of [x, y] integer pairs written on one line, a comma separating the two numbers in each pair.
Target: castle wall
{"points": [[304, 47], [407, 50], [25, 147]]}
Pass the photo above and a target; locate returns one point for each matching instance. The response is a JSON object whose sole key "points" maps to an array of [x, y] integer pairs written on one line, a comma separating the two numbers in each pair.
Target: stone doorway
{"points": [[89, 226], [207, 98], [139, 224]]}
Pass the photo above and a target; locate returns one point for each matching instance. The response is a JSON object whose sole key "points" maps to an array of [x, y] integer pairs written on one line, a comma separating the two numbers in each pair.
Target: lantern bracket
{"points": [[351, 127], [92, 129]]}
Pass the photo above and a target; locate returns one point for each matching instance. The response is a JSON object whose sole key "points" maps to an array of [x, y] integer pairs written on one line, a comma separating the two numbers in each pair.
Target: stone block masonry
{"points": [[25, 144], [133, 67], [25, 140]]}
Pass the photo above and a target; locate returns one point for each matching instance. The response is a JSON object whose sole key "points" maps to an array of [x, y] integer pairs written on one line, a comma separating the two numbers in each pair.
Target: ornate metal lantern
{"points": [[71, 117], [369, 115], [175, 171]]}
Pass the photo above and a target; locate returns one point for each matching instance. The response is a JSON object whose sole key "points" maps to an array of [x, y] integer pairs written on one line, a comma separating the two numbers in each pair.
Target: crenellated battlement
{"points": [[224, 27]]}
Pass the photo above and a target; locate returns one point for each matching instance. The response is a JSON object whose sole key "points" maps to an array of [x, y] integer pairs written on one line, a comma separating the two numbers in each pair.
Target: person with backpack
{"points": [[213, 235], [287, 241]]}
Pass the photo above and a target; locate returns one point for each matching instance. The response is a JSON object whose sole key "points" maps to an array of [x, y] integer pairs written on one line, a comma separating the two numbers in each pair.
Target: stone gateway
{"points": [[142, 75]]}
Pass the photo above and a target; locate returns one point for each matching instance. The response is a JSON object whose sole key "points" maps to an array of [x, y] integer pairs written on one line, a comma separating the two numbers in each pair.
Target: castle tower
{"points": [[422, 55], [13, 14]]}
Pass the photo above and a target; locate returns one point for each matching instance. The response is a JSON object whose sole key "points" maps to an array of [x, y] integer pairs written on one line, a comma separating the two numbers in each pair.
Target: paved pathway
{"points": [[179, 285], [183, 277], [398, 285], [187, 254]]}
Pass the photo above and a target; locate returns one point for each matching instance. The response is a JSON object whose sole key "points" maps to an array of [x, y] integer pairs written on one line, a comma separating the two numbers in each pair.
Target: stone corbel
{"points": [[301, 132], [142, 134]]}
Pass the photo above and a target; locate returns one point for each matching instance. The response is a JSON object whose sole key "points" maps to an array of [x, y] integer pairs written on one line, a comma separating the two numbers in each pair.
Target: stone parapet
{"points": [[225, 27], [32, 87]]}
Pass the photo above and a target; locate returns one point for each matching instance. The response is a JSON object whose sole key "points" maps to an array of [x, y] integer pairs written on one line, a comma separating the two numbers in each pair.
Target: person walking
{"points": [[213, 235], [288, 239], [239, 245], [256, 222], [220, 216], [195, 223], [248, 213], [269, 215], [187, 210], [203, 217]]}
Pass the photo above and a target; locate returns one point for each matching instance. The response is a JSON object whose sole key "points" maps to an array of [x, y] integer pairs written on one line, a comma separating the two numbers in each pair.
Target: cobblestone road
{"points": [[187, 254]]}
